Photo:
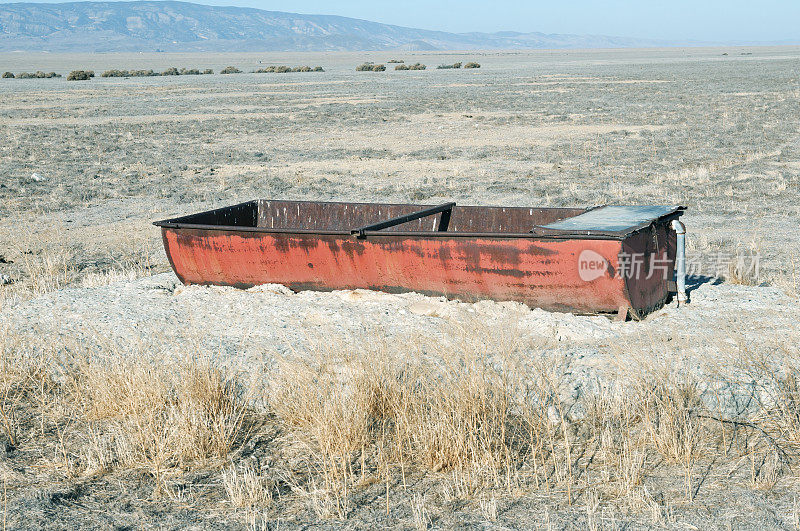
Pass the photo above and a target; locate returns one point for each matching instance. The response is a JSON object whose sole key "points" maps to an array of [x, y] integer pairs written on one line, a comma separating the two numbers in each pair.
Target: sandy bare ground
{"points": [[85, 168]]}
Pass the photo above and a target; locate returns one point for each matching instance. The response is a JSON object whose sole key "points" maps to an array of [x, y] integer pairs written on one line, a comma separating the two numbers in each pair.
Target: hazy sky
{"points": [[707, 20]]}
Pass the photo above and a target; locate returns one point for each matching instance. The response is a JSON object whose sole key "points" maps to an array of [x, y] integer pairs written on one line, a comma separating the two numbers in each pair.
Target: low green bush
{"points": [[8, 75], [80, 75], [285, 69], [172, 71], [115, 73], [370, 67], [33, 75]]}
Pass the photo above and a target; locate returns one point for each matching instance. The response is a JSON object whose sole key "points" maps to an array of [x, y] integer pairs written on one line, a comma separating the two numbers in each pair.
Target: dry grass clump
{"points": [[744, 267], [43, 265], [24, 378], [375, 410], [246, 487], [370, 67], [230, 70], [447, 67], [789, 279], [120, 409], [415, 66], [159, 414], [80, 75], [472, 65], [395, 61]]}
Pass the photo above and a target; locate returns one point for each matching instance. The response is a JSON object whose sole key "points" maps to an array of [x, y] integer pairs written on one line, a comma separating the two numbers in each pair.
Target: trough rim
{"points": [[549, 234]]}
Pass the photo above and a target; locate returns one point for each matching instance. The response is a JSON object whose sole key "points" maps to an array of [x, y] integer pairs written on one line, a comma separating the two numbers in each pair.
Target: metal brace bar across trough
{"points": [[445, 209]]}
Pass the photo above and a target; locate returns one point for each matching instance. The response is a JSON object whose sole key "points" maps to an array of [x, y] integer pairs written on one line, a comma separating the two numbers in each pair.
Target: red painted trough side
{"points": [[539, 273]]}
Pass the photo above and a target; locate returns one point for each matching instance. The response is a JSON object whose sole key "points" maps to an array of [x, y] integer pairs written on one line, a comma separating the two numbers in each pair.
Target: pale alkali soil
{"points": [[717, 133]]}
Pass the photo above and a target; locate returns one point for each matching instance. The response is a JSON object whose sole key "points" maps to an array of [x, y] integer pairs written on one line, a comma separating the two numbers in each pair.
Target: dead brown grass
{"points": [[486, 418], [158, 415], [477, 412]]}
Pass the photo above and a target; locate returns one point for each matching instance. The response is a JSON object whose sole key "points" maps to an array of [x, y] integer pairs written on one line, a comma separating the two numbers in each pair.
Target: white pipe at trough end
{"points": [[680, 261]]}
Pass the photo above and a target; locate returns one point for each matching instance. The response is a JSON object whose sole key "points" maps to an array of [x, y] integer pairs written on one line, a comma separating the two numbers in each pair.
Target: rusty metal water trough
{"points": [[604, 259]]}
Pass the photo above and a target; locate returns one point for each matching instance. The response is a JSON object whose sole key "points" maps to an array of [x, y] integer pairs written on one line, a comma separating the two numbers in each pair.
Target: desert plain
{"points": [[128, 400]]}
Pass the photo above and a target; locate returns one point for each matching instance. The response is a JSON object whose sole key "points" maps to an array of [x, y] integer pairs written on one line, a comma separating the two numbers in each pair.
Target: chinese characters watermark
{"points": [[592, 265]]}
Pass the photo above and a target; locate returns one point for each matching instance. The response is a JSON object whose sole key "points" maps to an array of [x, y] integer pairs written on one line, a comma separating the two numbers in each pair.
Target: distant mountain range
{"points": [[182, 26]]}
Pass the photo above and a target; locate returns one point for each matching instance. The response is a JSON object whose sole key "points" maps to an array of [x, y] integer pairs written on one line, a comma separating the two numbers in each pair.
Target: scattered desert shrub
{"points": [[472, 65], [80, 75], [285, 69], [8, 75], [36, 75], [281, 69], [415, 66], [370, 67], [208, 71], [126, 73], [115, 73], [394, 61], [172, 71], [230, 70], [446, 67]]}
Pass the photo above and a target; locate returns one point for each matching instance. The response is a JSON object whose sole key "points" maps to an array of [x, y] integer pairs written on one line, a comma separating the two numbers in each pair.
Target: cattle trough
{"points": [[605, 259]]}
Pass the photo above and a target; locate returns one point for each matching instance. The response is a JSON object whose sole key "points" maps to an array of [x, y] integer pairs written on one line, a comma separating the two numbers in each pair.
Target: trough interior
{"points": [[348, 216], [326, 216]]}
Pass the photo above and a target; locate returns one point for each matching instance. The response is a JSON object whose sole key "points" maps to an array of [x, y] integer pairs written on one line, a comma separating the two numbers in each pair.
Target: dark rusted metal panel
{"points": [[484, 253]]}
